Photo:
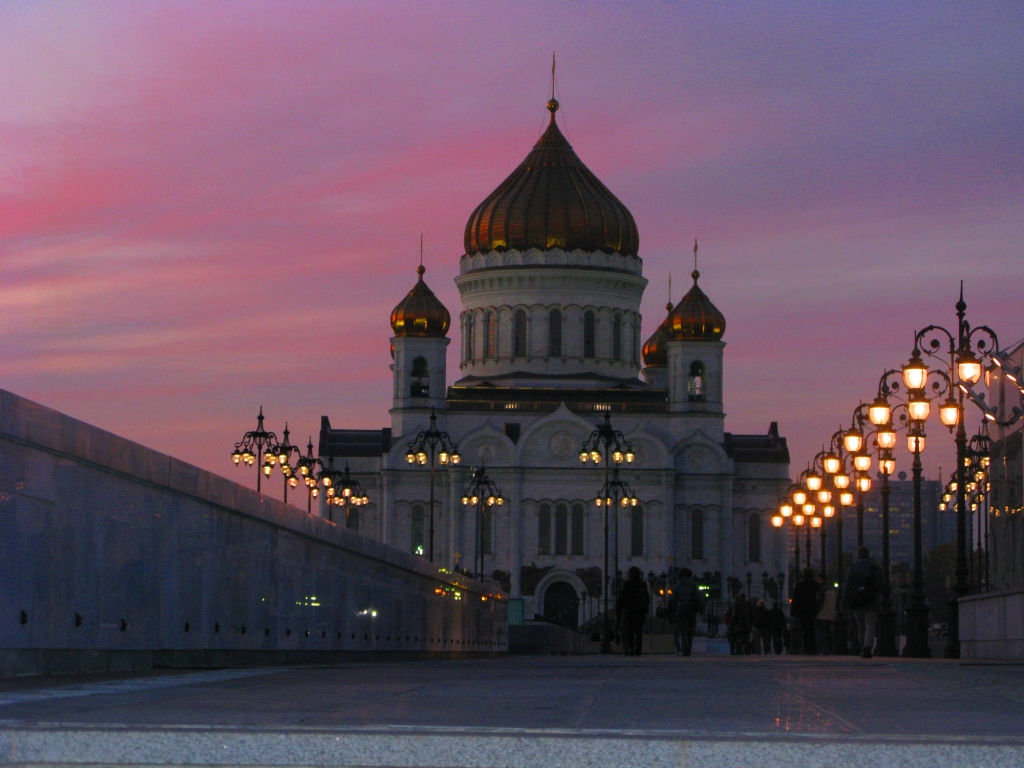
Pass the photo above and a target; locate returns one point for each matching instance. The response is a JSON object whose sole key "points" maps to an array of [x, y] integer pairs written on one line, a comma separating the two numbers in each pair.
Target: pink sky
{"points": [[205, 208]]}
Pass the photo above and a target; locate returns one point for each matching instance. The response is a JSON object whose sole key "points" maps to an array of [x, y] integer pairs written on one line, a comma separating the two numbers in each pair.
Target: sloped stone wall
{"points": [[113, 555]]}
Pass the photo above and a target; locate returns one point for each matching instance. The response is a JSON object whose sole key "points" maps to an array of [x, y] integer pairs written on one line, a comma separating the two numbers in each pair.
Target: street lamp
{"points": [[962, 359], [282, 452], [606, 443], [306, 466], [250, 449], [428, 445], [915, 377], [481, 492], [341, 490]]}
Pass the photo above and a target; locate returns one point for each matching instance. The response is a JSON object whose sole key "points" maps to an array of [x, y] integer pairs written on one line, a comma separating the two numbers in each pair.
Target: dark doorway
{"points": [[562, 604]]}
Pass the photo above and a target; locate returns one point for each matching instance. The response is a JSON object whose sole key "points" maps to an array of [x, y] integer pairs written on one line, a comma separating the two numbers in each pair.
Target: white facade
{"points": [[550, 340]]}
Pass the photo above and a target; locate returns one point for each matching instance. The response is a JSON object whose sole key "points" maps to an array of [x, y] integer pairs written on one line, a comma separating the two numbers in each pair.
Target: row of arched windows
{"points": [[561, 530], [697, 536], [555, 347]]}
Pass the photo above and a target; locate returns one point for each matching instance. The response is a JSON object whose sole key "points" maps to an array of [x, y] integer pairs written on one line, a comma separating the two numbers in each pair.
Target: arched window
{"points": [[561, 530], [636, 531], [577, 529], [519, 334], [487, 531], [490, 335], [544, 530], [588, 334], [754, 538], [419, 378], [419, 540], [617, 337], [697, 534], [695, 382], [636, 343], [470, 330], [352, 518], [555, 333]]}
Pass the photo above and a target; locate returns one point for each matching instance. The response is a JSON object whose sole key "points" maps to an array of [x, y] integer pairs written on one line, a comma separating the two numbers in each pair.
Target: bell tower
{"points": [[420, 323]]}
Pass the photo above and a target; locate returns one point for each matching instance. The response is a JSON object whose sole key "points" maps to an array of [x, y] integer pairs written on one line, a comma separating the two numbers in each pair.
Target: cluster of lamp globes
{"points": [[490, 501], [273, 457], [977, 484], [618, 456], [341, 497], [420, 457]]}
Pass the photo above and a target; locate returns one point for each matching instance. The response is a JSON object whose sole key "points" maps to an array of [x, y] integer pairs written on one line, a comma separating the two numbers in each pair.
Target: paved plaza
{"points": [[521, 711]]}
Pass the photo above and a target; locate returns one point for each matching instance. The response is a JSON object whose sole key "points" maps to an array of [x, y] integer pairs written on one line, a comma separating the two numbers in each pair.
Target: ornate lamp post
{"points": [[306, 466], [341, 489], [793, 509], [915, 380], [282, 452], [962, 359], [428, 445], [250, 449], [606, 443], [481, 492]]}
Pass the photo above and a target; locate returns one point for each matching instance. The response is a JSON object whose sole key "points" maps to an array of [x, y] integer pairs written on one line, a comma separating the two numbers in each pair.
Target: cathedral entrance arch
{"points": [[562, 604]]}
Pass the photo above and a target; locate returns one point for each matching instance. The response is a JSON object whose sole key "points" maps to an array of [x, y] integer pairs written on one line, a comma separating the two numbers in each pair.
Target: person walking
{"points": [[824, 620], [743, 622], [631, 608], [686, 603], [804, 609], [863, 588], [762, 628]]}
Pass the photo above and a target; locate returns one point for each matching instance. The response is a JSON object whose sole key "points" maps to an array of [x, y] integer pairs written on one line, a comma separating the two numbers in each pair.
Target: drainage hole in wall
{"points": [[287, 633], [124, 625], [187, 627], [23, 618], [216, 627], [78, 620]]}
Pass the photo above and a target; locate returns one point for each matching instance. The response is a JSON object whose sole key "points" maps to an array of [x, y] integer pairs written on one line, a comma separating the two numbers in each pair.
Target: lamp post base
{"points": [[953, 645], [887, 632], [917, 633]]}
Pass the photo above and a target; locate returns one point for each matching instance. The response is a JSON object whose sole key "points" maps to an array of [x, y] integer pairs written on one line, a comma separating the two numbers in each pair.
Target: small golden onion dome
{"points": [[552, 200], [695, 317], [420, 313], [656, 348]]}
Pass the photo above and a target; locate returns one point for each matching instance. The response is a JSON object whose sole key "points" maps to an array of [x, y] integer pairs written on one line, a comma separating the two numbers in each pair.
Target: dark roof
{"points": [[352, 443], [758, 449], [552, 200]]}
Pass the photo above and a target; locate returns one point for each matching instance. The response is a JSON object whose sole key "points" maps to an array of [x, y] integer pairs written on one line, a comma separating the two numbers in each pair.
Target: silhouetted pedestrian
{"points": [[631, 610], [686, 603], [804, 609], [743, 622], [863, 587]]}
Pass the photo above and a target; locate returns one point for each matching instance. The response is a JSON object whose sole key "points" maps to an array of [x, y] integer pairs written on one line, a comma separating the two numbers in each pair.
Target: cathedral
{"points": [[551, 349]]}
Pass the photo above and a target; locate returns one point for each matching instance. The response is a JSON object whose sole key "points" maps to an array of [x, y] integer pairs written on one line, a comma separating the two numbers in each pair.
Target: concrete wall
{"points": [[113, 555], [992, 625]]}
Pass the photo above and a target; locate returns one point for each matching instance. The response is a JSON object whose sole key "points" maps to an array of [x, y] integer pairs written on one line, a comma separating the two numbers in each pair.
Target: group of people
{"points": [[816, 607], [754, 627]]}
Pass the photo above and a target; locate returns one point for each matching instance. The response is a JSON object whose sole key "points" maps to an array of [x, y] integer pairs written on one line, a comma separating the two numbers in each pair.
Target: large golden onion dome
{"points": [[695, 317], [420, 313], [655, 349], [552, 200]]}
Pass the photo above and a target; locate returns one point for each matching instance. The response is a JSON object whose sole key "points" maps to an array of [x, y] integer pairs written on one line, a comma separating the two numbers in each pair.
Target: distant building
{"points": [[550, 341], [936, 527]]}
